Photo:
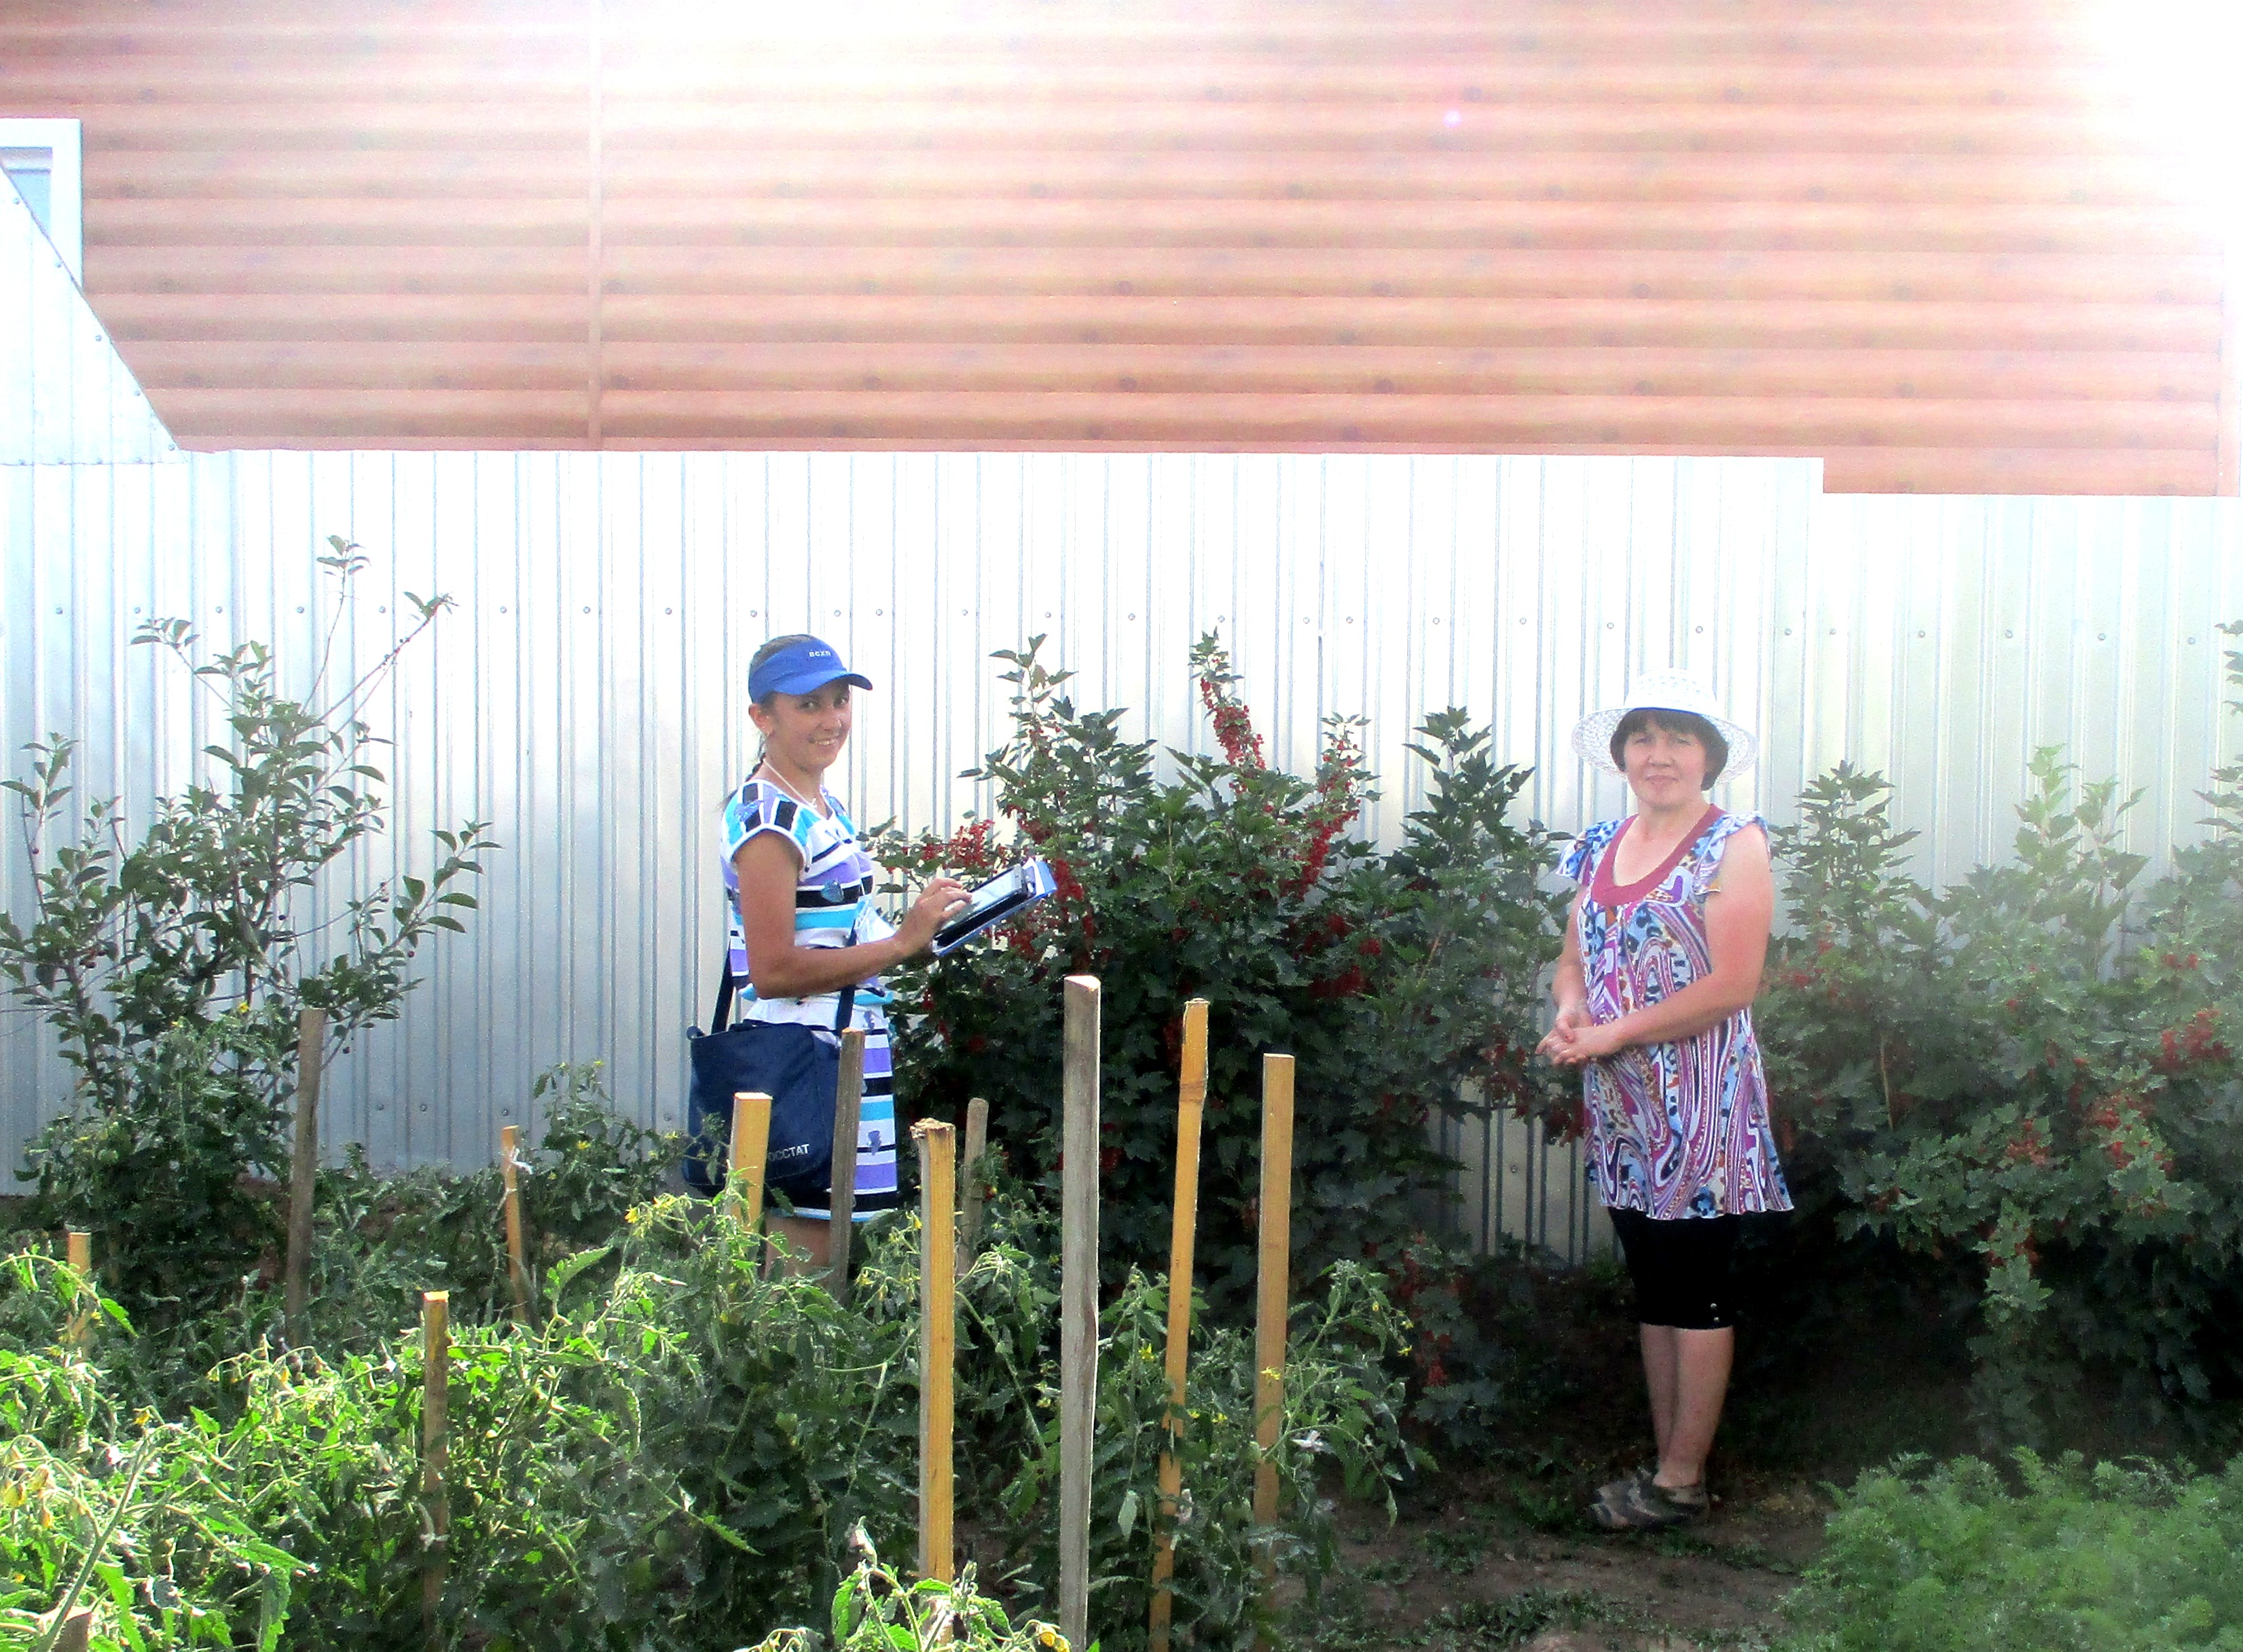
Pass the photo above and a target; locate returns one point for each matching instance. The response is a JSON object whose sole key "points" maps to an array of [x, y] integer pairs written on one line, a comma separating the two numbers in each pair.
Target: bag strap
{"points": [[845, 1005], [846, 1000], [718, 1022]]}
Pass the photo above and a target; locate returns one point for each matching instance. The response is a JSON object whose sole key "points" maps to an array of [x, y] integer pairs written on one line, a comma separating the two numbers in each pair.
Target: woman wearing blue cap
{"points": [[803, 928]]}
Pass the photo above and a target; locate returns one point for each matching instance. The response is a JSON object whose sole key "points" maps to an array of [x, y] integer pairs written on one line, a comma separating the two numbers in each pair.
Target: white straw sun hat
{"points": [[1664, 692]]}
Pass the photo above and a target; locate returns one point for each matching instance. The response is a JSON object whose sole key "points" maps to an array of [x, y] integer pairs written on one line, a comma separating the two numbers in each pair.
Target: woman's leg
{"points": [[1659, 1357], [1680, 1270], [816, 1238], [1700, 1364]]}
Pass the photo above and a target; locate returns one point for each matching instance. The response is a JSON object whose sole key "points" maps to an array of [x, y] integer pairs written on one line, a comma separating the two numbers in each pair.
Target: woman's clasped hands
{"points": [[1574, 1040]]}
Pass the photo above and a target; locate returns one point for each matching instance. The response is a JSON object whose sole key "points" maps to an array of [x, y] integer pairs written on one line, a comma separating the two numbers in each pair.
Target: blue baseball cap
{"points": [[801, 668]]}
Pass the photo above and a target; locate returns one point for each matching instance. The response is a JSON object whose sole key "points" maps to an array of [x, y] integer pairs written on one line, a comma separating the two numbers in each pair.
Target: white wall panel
{"points": [[587, 695], [66, 397]]}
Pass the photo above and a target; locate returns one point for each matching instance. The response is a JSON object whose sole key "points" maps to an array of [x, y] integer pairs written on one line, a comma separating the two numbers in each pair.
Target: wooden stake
{"points": [[743, 1181], [517, 1260], [1274, 1285], [938, 1341], [78, 1250], [76, 1632], [975, 1185], [841, 1195], [1078, 1305], [435, 1399], [1191, 1104], [304, 1168]]}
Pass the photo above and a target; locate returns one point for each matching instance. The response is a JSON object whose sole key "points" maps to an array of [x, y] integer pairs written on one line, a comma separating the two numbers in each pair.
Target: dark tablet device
{"points": [[1006, 894]]}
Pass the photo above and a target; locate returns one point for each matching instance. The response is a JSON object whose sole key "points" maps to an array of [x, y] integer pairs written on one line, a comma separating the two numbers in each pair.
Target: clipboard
{"points": [[1004, 896]]}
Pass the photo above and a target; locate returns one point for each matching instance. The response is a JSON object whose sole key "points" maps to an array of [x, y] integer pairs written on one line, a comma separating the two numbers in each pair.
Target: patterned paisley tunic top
{"points": [[1675, 1129]]}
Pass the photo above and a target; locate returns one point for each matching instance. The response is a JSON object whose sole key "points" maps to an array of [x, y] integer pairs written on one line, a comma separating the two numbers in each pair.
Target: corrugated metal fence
{"points": [[586, 696]]}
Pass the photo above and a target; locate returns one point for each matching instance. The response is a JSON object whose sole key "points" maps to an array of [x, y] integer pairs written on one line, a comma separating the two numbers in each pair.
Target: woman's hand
{"points": [[1572, 993], [937, 902], [1586, 1042], [1571, 1018]]}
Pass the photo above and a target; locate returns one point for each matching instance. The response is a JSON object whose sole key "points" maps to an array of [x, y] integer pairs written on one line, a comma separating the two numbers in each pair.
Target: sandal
{"points": [[1613, 1491], [1638, 1503]]}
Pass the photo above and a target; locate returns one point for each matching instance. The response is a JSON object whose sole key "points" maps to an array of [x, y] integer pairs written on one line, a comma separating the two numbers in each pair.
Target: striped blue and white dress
{"points": [[832, 907]]}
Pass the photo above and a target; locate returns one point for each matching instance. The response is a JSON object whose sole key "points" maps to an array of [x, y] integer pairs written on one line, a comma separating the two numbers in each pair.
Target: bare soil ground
{"points": [[1504, 1558], [1497, 1552]]}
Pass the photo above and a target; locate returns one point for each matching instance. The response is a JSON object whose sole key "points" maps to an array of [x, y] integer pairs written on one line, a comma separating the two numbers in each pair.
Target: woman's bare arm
{"points": [[768, 870]]}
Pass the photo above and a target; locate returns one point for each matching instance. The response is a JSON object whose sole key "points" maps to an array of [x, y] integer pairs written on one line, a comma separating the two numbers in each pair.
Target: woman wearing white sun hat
{"points": [[1662, 959]]}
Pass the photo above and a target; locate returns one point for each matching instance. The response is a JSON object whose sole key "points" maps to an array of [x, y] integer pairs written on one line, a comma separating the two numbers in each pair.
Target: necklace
{"points": [[767, 767]]}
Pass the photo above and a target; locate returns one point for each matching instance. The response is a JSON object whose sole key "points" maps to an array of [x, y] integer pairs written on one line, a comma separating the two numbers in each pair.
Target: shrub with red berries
{"points": [[1398, 978], [2035, 1068]]}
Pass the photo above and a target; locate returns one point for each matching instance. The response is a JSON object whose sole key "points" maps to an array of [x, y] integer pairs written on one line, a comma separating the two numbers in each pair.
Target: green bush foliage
{"points": [[1950, 1559], [173, 969], [2032, 1073], [1393, 978]]}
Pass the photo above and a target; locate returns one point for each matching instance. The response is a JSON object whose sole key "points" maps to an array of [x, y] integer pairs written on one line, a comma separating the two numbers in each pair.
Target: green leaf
{"points": [[562, 1273]]}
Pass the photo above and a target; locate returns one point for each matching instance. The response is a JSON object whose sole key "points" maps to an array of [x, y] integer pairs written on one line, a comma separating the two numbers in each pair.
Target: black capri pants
{"points": [[1680, 1269]]}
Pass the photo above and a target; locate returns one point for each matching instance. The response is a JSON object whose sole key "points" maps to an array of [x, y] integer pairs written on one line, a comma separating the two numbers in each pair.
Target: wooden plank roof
{"points": [[1922, 241]]}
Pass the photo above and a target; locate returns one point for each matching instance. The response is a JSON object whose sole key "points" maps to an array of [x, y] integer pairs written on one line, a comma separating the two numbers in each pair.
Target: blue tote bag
{"points": [[799, 1067]]}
